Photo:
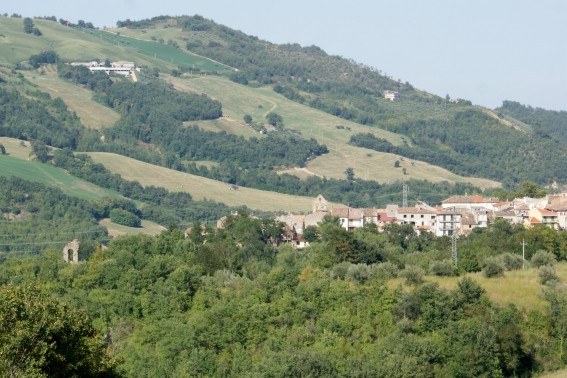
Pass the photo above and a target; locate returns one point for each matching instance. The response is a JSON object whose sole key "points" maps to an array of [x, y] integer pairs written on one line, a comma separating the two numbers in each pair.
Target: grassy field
{"points": [[51, 176], [227, 124], [518, 287], [148, 228], [200, 187], [163, 51], [77, 99], [71, 44], [239, 100]]}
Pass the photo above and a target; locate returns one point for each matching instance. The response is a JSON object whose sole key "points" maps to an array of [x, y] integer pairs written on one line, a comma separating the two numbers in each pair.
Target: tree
{"points": [[349, 172], [40, 150], [41, 337], [247, 118], [275, 119], [28, 25], [2, 149]]}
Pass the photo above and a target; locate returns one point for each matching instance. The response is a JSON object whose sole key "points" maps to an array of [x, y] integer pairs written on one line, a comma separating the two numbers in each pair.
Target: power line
{"points": [[51, 233]]}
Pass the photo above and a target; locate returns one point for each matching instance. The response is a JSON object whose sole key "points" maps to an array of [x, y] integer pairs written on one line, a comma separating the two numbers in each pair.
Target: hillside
{"points": [[201, 188], [330, 130], [452, 134]]}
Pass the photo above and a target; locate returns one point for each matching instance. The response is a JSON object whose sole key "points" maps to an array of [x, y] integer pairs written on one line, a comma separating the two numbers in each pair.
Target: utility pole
{"points": [[405, 196], [454, 239], [523, 254]]}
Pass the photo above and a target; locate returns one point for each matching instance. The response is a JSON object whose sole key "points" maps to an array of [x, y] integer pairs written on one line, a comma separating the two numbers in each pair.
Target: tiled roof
{"points": [[341, 212], [414, 210], [470, 199]]}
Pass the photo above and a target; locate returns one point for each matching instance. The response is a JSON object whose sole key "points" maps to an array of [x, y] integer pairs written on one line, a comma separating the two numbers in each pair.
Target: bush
{"points": [[512, 261], [385, 271], [358, 272], [125, 218], [547, 275], [543, 258], [493, 267], [413, 275], [443, 268], [340, 270]]}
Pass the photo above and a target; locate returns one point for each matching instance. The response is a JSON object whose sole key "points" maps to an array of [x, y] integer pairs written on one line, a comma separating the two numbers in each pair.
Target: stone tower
{"points": [[71, 252]]}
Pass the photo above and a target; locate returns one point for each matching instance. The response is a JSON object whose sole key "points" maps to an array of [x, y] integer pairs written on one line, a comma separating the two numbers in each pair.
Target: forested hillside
{"points": [[547, 123], [228, 303]]}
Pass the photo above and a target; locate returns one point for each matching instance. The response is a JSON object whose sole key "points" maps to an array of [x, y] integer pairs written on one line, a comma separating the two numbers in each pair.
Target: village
{"points": [[456, 216]]}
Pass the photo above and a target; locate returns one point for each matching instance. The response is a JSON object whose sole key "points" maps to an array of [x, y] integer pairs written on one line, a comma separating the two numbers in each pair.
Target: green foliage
{"points": [[493, 267], [29, 118], [40, 337], [444, 268], [125, 218], [547, 123], [247, 118], [547, 275], [463, 146], [275, 119], [45, 216], [412, 274], [45, 57], [542, 258]]}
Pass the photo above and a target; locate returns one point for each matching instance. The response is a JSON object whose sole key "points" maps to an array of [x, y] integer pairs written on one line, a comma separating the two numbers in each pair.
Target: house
{"points": [[474, 202], [120, 67], [448, 222], [391, 95], [417, 217], [548, 218], [350, 218], [558, 203]]}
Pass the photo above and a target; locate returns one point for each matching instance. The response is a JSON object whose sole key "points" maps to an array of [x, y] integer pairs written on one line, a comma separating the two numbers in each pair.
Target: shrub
{"points": [[543, 258], [547, 275], [512, 261], [443, 268], [125, 218], [413, 275], [340, 270], [385, 270], [358, 272], [493, 267]]}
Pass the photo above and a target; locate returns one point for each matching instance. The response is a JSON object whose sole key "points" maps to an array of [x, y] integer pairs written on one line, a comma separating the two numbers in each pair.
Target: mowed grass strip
{"points": [[239, 100], [115, 230], [226, 124], [200, 188], [54, 177], [77, 99]]}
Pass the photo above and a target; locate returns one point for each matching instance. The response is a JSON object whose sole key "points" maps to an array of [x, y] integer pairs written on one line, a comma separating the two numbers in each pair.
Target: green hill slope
{"points": [[239, 100], [52, 176]]}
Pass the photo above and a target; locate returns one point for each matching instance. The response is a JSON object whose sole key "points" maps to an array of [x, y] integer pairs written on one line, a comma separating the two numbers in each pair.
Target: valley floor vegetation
{"points": [[234, 302]]}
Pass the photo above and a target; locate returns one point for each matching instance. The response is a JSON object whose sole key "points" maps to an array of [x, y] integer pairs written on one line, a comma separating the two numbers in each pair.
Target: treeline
{"points": [[465, 145], [356, 192], [227, 302]]}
